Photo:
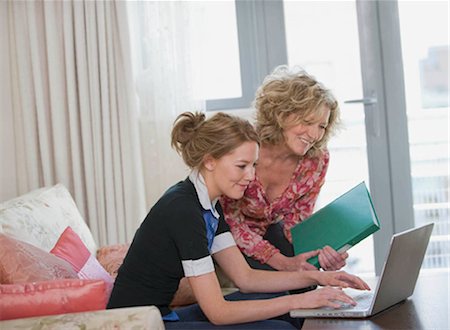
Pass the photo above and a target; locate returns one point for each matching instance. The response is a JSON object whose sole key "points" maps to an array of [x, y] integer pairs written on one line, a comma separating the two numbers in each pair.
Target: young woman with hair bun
{"points": [[185, 230]]}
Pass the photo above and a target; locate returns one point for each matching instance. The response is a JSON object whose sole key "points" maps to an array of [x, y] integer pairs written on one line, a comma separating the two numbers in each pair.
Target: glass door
{"points": [[425, 53], [404, 55]]}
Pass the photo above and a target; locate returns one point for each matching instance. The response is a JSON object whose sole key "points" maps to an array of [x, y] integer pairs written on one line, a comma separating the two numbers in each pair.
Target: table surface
{"points": [[427, 308]]}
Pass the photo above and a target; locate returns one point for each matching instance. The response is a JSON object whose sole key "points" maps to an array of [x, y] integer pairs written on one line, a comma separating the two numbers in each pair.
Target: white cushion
{"points": [[40, 216]]}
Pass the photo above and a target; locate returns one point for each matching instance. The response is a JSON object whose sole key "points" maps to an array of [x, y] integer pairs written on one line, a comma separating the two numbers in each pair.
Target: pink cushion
{"points": [[71, 248], [111, 257], [51, 297], [21, 262]]}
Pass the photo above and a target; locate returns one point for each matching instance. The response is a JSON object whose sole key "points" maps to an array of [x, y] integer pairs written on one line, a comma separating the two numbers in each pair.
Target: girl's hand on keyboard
{"points": [[325, 297], [341, 279]]}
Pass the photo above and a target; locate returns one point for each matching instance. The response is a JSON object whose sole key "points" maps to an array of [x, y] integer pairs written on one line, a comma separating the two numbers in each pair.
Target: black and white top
{"points": [[176, 239]]}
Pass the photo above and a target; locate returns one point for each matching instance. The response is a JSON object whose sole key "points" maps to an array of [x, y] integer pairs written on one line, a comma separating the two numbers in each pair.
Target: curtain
{"points": [[74, 117], [163, 35]]}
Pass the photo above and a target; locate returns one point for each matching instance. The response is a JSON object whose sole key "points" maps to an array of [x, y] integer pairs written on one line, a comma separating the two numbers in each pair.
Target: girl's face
{"points": [[231, 174], [301, 137]]}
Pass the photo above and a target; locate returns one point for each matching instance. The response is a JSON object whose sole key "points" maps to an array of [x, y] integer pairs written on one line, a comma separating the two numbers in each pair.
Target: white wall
{"points": [[8, 188]]}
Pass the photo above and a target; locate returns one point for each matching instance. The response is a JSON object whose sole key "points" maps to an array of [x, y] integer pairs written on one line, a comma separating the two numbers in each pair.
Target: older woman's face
{"points": [[301, 137]]}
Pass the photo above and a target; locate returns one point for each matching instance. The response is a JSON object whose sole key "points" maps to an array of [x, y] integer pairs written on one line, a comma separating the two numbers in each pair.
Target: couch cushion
{"points": [[41, 216], [21, 262], [142, 318], [71, 248], [51, 297]]}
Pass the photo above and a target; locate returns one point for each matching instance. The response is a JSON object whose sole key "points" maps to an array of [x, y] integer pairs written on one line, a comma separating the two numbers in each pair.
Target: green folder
{"points": [[341, 224]]}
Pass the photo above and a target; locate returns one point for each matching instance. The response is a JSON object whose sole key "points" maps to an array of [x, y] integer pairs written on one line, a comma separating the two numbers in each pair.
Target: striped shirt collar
{"points": [[202, 191]]}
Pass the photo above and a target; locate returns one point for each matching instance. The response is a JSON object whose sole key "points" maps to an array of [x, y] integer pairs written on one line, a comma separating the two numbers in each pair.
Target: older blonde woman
{"points": [[295, 117]]}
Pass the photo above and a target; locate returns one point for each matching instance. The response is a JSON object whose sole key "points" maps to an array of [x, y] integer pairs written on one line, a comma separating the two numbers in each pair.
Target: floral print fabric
{"points": [[136, 318], [40, 216], [250, 216]]}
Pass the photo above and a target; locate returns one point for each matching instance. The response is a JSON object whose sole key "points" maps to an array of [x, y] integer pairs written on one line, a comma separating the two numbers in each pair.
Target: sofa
{"points": [[52, 273]]}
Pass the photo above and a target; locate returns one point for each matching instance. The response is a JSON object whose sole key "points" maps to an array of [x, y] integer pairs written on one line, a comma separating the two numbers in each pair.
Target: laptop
{"points": [[396, 282]]}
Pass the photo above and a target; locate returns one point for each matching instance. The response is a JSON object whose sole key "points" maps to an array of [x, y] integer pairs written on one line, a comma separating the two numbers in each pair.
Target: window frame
{"points": [[262, 47]]}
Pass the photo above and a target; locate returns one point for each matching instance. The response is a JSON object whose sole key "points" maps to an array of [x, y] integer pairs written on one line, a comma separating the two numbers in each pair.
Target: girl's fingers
{"points": [[354, 281], [346, 299], [336, 297]]}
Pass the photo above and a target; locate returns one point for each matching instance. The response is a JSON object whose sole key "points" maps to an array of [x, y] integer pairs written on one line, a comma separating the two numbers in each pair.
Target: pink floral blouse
{"points": [[250, 216]]}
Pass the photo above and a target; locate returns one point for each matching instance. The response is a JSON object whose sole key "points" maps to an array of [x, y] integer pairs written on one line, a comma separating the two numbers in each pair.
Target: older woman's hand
{"points": [[330, 259], [299, 262]]}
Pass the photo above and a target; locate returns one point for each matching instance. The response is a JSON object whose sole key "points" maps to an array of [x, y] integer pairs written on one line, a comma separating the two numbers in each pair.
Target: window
{"points": [[262, 47], [215, 37]]}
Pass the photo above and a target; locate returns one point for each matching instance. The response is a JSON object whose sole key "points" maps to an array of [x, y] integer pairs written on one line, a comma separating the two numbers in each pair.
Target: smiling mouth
{"points": [[306, 141]]}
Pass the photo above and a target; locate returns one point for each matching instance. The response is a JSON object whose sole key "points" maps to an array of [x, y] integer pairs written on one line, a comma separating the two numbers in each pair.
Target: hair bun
{"points": [[186, 126]]}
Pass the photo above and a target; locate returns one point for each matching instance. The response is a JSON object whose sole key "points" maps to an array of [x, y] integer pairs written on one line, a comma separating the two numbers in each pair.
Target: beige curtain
{"points": [[162, 33], [73, 109]]}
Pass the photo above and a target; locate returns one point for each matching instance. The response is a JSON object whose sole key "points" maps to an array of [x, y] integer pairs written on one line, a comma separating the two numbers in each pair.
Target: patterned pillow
{"points": [[40, 216], [111, 257], [51, 297], [21, 262], [71, 248]]}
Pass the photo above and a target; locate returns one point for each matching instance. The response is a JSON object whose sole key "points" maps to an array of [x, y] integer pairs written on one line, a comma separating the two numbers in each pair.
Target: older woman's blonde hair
{"points": [[292, 91], [194, 136]]}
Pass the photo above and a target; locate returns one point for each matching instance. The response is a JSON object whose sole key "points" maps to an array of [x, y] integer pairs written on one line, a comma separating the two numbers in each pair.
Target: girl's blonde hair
{"points": [[287, 92], [193, 136]]}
